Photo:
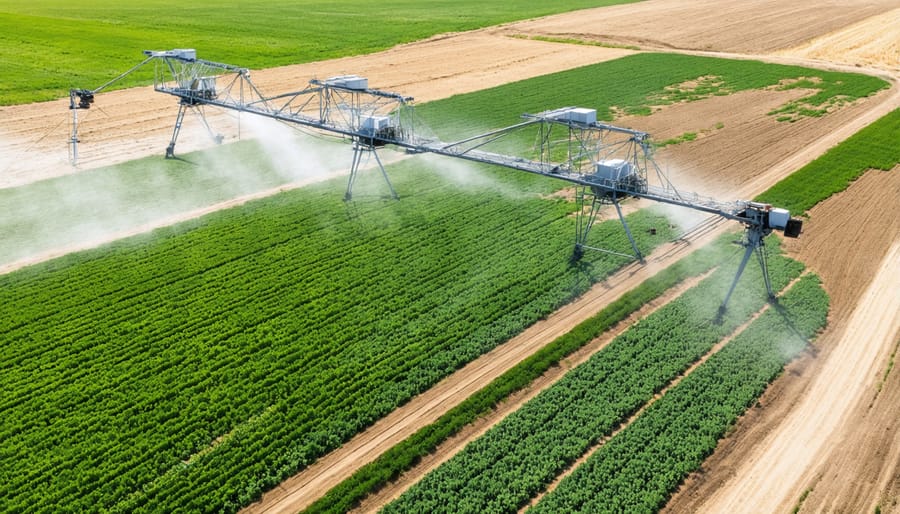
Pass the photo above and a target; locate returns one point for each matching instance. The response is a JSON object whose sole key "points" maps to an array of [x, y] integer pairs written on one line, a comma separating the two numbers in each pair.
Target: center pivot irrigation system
{"points": [[605, 163]]}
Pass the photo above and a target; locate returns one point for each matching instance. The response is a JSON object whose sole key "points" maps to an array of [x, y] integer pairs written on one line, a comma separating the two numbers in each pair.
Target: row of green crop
{"points": [[197, 366], [502, 470], [874, 147], [401, 457], [638, 469]]}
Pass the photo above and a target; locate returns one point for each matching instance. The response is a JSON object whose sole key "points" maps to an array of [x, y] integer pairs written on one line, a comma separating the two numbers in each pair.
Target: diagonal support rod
{"points": [[637, 252], [179, 120], [754, 243], [586, 216]]}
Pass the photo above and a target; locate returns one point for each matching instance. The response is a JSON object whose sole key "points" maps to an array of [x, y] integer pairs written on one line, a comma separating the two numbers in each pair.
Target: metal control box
{"points": [[354, 82], [614, 169], [374, 123], [579, 115], [778, 218]]}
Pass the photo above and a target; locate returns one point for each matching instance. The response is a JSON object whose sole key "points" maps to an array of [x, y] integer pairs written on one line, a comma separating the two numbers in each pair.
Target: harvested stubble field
{"points": [[743, 157]]}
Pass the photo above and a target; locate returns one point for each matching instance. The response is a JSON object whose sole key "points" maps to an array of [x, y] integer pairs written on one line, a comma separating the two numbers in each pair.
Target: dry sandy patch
{"points": [[741, 26], [873, 42]]}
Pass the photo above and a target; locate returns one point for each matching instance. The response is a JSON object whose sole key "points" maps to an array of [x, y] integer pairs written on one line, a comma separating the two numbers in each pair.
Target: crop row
{"points": [[874, 147], [638, 469], [516, 459], [197, 366]]}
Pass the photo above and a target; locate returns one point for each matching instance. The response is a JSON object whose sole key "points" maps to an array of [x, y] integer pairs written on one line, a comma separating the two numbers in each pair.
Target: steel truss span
{"points": [[605, 163]]}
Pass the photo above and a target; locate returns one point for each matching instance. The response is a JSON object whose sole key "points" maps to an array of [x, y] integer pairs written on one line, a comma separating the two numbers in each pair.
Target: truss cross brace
{"points": [[183, 106]]}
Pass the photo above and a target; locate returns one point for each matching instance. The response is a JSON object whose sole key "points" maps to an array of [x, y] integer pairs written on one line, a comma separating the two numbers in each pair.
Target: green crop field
{"points": [[47, 47], [196, 366], [406, 454], [638, 470], [249, 342]]}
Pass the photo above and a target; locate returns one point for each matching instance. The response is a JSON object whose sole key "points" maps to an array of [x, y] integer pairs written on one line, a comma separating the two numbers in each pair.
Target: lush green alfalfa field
{"points": [[47, 47]]}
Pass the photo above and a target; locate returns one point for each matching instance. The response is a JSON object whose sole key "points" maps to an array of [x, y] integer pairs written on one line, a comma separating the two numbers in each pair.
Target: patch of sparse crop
{"points": [[830, 95], [574, 41], [698, 89], [874, 147], [687, 136], [50, 46]]}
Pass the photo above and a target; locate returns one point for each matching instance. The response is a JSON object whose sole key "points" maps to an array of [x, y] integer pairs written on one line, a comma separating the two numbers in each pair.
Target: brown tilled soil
{"points": [[746, 154], [873, 41], [747, 27]]}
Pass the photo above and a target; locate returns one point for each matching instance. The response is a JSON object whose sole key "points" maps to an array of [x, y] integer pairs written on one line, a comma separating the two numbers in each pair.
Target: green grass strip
{"points": [[874, 147], [373, 476]]}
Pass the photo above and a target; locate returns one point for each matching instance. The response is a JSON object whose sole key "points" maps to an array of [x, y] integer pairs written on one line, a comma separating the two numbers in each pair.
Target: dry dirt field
{"points": [[824, 425]]}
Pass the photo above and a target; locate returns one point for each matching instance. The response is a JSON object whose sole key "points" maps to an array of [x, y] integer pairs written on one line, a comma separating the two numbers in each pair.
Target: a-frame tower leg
{"points": [[183, 106], [358, 149], [753, 243], [588, 204]]}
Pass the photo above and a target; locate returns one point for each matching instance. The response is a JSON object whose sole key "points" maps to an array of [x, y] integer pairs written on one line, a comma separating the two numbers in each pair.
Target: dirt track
{"points": [[742, 157], [823, 427]]}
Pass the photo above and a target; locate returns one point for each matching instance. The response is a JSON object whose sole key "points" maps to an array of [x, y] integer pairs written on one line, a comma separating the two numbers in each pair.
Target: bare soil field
{"points": [[871, 42], [755, 27], [747, 154]]}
